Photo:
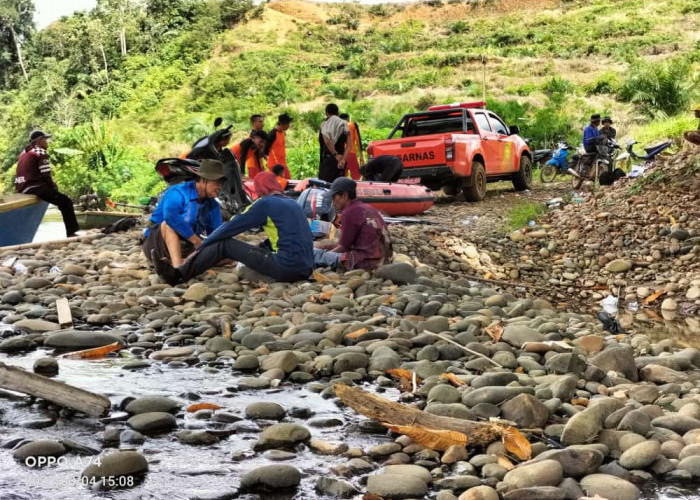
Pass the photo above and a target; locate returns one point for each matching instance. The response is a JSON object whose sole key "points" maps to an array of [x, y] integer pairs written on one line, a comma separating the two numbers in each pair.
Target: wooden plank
{"points": [[60, 393], [65, 318], [14, 201], [50, 244]]}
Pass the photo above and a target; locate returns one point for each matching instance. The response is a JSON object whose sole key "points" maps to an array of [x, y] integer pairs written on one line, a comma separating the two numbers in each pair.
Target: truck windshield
{"points": [[436, 123]]}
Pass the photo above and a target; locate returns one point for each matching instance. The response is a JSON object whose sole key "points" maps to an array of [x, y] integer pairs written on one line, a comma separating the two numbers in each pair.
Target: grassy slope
{"points": [[398, 59]]}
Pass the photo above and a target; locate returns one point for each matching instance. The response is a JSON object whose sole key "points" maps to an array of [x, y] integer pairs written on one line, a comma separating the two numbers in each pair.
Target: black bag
{"points": [[383, 168], [123, 224]]}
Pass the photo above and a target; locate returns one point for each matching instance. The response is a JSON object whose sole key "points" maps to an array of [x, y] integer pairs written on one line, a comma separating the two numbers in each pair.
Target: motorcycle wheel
{"points": [[548, 173], [576, 182]]}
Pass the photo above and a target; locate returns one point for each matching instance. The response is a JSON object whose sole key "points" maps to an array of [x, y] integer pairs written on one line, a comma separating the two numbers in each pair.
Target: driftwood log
{"points": [[50, 244], [60, 393], [383, 410]]}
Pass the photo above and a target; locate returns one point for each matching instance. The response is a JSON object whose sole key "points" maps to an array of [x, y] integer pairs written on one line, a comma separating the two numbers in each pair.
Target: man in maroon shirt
{"points": [[34, 177], [364, 241]]}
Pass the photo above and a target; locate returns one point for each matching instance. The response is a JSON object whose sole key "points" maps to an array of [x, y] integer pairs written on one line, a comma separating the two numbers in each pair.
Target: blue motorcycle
{"points": [[558, 164]]}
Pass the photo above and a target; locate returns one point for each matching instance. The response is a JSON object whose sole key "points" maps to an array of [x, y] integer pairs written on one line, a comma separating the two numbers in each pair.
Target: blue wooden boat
{"points": [[20, 216]]}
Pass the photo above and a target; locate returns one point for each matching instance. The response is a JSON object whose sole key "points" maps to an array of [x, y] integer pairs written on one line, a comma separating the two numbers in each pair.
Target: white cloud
{"points": [[48, 11]]}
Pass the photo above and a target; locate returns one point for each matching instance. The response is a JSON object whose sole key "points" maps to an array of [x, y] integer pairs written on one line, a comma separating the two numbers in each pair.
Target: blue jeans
{"points": [[326, 258]]}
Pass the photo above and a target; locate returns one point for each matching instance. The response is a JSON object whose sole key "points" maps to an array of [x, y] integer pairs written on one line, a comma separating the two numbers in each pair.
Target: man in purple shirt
{"points": [[364, 241]]}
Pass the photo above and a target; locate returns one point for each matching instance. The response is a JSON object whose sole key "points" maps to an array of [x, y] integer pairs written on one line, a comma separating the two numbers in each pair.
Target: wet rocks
{"points": [[610, 487], [274, 477], [517, 335], [37, 325], [29, 453], [46, 366], [283, 434], [525, 410], [336, 488], [641, 456], [396, 486], [401, 273], [541, 473], [617, 359], [198, 292], [75, 339], [264, 410], [283, 360], [148, 404], [153, 422], [130, 465]]}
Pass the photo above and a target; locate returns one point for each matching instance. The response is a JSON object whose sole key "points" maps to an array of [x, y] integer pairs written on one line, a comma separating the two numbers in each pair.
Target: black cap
{"points": [[607, 119], [595, 117], [35, 135], [343, 185], [284, 119], [211, 170]]}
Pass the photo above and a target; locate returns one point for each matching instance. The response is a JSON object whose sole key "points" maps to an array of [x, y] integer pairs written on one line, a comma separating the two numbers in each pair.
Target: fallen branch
{"points": [[50, 244], [383, 410], [60, 393], [470, 351]]}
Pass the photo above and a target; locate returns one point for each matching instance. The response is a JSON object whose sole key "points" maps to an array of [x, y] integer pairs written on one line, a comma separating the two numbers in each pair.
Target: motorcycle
{"points": [[233, 198], [626, 157], [589, 166], [541, 156], [557, 164]]}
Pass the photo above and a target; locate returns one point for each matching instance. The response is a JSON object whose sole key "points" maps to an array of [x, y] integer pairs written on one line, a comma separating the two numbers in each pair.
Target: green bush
{"points": [[661, 89], [459, 27], [607, 83]]}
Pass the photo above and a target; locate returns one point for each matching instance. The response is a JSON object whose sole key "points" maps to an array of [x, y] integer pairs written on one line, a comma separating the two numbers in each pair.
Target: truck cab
{"points": [[459, 146]]}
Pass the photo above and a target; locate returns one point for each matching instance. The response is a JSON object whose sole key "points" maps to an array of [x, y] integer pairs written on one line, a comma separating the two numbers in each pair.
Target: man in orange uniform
{"points": [[276, 148], [249, 153], [355, 149]]}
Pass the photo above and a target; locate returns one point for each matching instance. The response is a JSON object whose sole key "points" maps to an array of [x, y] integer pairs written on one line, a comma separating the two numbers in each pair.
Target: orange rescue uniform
{"points": [[251, 163], [276, 150]]}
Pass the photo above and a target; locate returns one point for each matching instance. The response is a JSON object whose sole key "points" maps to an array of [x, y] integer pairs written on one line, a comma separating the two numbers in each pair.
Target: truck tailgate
{"points": [[422, 151]]}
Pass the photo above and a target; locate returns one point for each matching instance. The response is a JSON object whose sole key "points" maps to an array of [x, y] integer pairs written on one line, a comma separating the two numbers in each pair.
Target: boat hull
{"points": [[20, 216], [99, 220]]}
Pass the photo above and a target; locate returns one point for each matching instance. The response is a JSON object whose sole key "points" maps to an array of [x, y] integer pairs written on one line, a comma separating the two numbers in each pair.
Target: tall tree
{"points": [[16, 27]]}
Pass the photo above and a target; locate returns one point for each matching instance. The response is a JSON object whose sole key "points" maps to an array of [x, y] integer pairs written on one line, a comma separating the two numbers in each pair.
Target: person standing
{"points": [[334, 145], [364, 241], [257, 123], [276, 146], [607, 129], [355, 153], [249, 153], [33, 176], [184, 213]]}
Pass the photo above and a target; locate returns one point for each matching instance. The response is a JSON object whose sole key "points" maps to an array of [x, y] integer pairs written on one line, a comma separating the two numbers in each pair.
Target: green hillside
{"points": [[548, 66]]}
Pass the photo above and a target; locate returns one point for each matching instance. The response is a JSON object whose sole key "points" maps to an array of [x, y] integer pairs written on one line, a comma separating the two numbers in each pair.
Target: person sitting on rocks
{"points": [[693, 136], [287, 254], [185, 212], [364, 241]]}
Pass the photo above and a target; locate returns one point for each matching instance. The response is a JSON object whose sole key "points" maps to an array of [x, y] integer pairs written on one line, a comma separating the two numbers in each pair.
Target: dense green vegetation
{"points": [[114, 111]]}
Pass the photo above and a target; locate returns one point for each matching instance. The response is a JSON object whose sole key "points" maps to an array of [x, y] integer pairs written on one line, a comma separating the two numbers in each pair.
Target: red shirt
{"points": [[364, 237], [33, 169]]}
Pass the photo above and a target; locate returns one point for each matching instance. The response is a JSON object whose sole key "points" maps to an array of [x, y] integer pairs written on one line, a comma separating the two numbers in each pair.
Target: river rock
{"points": [[273, 477], [148, 404], [677, 423], [153, 422], [409, 470], [37, 325], [219, 344], [396, 486], [284, 434], [284, 360], [618, 266], [517, 335], [574, 462], [493, 395], [525, 410], [479, 493], [131, 464], [542, 473], [641, 456], [196, 437], [198, 292], [536, 493], [609, 487], [336, 488], [662, 375], [401, 273], [16, 344], [265, 410], [74, 339], [46, 366], [35, 449], [617, 359], [690, 464]]}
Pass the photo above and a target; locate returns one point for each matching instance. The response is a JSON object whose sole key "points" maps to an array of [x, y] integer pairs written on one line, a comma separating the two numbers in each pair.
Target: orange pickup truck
{"points": [[459, 146]]}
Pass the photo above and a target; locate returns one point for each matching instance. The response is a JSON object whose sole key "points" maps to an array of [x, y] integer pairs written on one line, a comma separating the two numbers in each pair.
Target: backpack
{"points": [[317, 204]]}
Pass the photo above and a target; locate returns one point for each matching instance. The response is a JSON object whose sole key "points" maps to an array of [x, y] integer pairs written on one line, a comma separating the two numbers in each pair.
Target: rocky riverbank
{"points": [[638, 240], [606, 414]]}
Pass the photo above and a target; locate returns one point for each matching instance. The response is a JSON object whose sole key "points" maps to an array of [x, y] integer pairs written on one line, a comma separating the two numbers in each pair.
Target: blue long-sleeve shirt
{"points": [[590, 133], [284, 223], [182, 210]]}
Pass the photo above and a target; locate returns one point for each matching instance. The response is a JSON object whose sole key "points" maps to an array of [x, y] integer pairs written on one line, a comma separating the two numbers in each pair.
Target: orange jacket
{"points": [[276, 150], [252, 162], [355, 140]]}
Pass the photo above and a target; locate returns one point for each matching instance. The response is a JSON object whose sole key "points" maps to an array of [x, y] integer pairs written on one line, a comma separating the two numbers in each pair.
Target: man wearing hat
{"points": [[276, 147], [34, 177], [591, 134], [693, 136], [607, 129], [185, 212], [364, 241], [286, 255]]}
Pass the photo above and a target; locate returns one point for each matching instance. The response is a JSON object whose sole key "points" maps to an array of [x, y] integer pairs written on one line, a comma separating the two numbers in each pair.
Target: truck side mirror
{"points": [[514, 130]]}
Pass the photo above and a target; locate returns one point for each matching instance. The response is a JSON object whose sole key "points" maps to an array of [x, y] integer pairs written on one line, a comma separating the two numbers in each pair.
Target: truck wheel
{"points": [[476, 191], [522, 179]]}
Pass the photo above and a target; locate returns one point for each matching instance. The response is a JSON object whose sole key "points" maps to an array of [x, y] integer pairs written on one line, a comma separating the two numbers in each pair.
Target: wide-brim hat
{"points": [[211, 170]]}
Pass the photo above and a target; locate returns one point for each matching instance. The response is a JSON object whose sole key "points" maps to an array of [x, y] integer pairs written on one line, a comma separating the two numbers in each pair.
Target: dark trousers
{"points": [[64, 204], [258, 258], [329, 171]]}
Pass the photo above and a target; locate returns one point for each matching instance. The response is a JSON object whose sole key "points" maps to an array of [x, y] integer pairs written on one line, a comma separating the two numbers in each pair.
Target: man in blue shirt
{"points": [[287, 254], [590, 134], [184, 213]]}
